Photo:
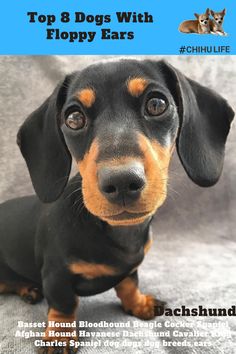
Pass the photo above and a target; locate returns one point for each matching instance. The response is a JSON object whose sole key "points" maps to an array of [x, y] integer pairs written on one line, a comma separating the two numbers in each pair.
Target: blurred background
{"points": [[193, 259]]}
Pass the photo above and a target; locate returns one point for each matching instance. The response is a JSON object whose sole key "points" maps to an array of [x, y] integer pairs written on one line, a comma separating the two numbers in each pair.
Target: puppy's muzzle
{"points": [[122, 184]]}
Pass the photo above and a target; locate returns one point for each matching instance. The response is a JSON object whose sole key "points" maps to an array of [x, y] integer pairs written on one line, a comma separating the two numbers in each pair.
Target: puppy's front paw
{"points": [[146, 307], [136, 303]]}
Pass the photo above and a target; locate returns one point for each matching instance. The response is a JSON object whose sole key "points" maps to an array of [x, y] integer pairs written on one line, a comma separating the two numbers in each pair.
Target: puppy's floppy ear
{"points": [[42, 144], [205, 119]]}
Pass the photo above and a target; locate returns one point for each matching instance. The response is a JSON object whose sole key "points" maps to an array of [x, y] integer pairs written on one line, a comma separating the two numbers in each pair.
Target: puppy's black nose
{"points": [[122, 184]]}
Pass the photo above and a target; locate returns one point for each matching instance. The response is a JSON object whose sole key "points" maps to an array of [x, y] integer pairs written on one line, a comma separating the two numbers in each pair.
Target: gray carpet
{"points": [[193, 259]]}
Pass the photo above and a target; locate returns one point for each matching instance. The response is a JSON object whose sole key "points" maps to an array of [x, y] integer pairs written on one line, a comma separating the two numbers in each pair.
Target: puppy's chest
{"points": [[91, 277], [106, 268], [109, 263]]}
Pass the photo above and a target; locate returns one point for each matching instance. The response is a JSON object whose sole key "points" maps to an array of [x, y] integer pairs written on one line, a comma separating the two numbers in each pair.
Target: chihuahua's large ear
{"points": [[205, 119], [42, 144], [223, 12], [207, 12], [196, 15]]}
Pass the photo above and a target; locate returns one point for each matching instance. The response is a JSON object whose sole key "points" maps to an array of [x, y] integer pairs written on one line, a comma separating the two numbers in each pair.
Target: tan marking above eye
{"points": [[86, 96], [91, 270], [136, 86]]}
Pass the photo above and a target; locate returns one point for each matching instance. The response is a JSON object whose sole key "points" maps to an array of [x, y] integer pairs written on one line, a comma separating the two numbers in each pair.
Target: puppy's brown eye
{"points": [[156, 106], [75, 120]]}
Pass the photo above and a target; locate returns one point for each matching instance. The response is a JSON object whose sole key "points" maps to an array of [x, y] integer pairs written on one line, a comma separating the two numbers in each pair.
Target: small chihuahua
{"points": [[216, 24], [201, 25]]}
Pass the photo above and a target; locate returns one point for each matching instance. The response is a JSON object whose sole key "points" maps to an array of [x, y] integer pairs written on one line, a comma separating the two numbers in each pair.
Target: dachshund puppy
{"points": [[120, 122]]}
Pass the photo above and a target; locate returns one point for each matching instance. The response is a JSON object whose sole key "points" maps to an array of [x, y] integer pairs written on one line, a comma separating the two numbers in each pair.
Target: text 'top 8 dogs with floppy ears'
{"points": [[120, 122]]}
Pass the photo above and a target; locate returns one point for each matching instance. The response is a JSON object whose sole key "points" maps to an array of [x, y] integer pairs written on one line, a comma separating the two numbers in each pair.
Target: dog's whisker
{"points": [[75, 182], [80, 208], [173, 190], [75, 191], [80, 199]]}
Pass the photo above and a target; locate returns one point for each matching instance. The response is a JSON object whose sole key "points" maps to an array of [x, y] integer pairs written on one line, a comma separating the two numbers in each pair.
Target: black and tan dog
{"points": [[119, 121]]}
